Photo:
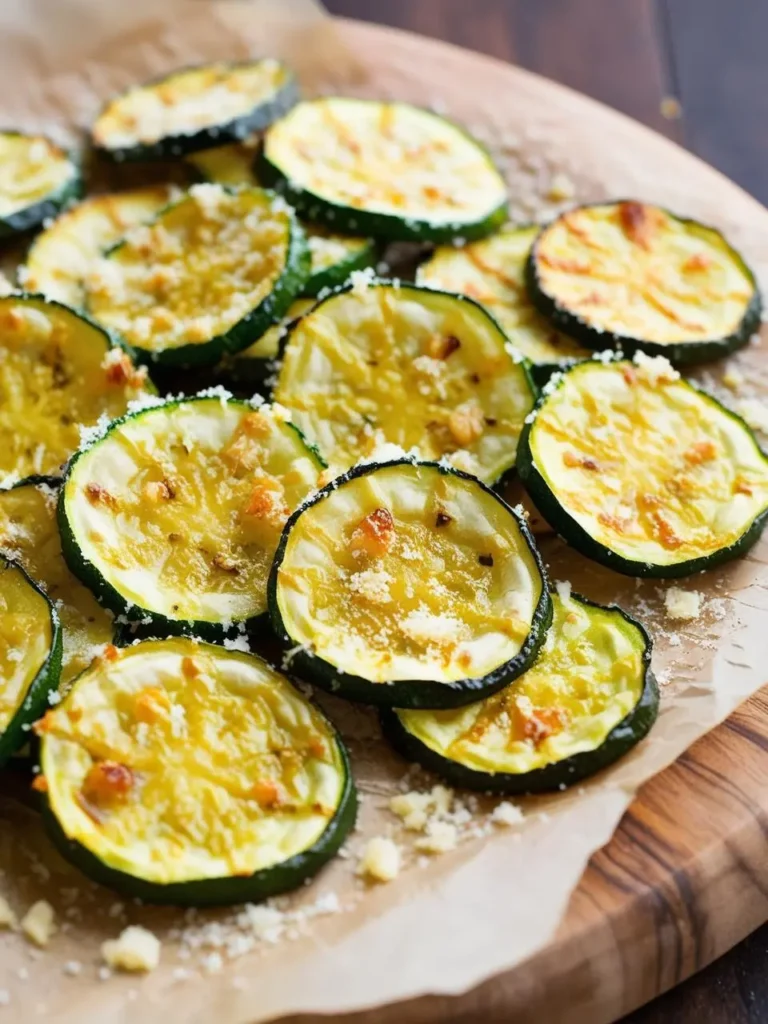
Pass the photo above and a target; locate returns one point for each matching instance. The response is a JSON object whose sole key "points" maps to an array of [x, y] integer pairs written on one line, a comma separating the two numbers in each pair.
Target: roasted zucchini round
{"points": [[409, 585], [29, 535], [587, 700], [59, 372], [176, 511], [333, 257], [37, 178], [207, 276], [30, 655], [195, 108], [180, 772], [388, 170], [492, 271], [63, 256], [633, 276], [642, 471], [429, 371]]}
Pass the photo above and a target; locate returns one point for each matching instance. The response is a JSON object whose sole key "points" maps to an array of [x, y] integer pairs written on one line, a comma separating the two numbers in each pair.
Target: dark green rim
{"points": [[574, 534], [32, 216], [337, 273], [684, 353], [407, 693], [557, 775], [170, 147]]}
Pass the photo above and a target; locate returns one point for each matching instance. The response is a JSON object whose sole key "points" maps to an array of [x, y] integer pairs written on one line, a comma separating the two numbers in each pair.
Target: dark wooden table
{"points": [[710, 56]]}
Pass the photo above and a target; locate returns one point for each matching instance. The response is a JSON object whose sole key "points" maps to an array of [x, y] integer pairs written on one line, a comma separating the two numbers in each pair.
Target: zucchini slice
{"points": [[426, 370], [333, 257], [181, 772], [588, 699], [409, 585], [59, 372], [389, 170], [37, 178], [642, 471], [65, 254], [29, 535], [30, 656], [492, 272], [207, 276], [176, 511], [636, 277], [194, 108]]}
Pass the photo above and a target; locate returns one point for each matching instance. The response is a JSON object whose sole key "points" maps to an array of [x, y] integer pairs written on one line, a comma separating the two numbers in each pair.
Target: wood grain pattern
{"points": [[685, 877]]}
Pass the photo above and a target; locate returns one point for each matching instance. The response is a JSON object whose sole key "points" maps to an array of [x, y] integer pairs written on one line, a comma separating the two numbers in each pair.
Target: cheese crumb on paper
{"points": [[39, 923], [682, 604], [380, 860], [136, 949]]}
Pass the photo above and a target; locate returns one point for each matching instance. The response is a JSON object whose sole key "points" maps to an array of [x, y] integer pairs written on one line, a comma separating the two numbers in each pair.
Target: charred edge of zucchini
{"points": [[384, 226], [407, 693], [134, 618], [45, 682], [271, 309], [224, 891], [30, 217], [578, 538], [682, 353], [171, 147], [557, 775]]}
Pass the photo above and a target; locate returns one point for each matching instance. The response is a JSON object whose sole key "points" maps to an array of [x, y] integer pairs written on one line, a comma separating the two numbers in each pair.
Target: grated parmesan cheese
{"points": [[439, 837], [507, 814], [654, 370], [380, 860], [136, 949], [371, 584], [361, 280], [682, 604], [39, 923], [424, 627]]}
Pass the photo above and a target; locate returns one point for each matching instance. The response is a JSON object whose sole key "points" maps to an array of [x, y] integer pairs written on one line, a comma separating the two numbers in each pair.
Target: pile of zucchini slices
{"points": [[222, 433]]}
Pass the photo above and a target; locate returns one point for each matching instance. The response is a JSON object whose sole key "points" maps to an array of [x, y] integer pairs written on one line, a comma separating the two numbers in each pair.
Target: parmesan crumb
{"points": [[682, 604], [39, 923], [733, 378], [7, 917], [560, 188], [439, 837], [135, 950], [361, 280], [671, 108], [563, 588], [507, 814], [380, 860], [371, 584], [654, 370]]}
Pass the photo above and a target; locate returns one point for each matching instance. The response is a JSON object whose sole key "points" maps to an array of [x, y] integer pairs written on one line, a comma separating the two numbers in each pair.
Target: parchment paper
{"points": [[450, 921]]}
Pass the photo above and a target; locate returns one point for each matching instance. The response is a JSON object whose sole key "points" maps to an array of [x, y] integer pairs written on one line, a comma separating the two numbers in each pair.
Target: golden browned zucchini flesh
{"points": [[37, 178]]}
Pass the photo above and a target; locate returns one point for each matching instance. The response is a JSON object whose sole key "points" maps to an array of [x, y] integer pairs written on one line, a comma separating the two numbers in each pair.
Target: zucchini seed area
{"points": [[194, 273], [411, 366], [408, 572], [178, 509], [492, 271], [650, 467], [176, 761], [385, 158], [188, 102], [26, 639], [32, 169], [589, 676], [29, 535], [639, 272], [65, 254], [58, 372]]}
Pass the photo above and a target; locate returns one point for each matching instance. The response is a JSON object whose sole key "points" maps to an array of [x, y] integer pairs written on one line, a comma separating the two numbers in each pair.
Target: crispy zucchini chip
{"points": [[30, 655], [209, 275], [37, 178], [175, 513], [195, 108], [642, 471], [180, 772], [63, 256], [636, 277], [408, 585], [389, 170], [59, 372], [587, 700], [29, 535], [426, 370]]}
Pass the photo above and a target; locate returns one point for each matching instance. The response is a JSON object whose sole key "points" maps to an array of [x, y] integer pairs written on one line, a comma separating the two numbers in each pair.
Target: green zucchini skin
{"points": [[689, 353], [142, 622], [336, 275], [15, 736], [407, 693], [171, 147], [211, 892], [250, 328], [30, 217], [555, 776], [574, 534]]}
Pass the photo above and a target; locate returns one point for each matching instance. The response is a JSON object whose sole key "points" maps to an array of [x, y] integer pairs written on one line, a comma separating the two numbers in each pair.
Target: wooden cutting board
{"points": [[686, 875]]}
